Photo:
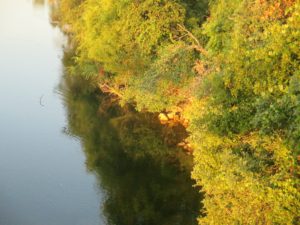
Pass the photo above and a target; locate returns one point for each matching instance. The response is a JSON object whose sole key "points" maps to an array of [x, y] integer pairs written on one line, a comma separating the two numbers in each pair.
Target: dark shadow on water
{"points": [[146, 178]]}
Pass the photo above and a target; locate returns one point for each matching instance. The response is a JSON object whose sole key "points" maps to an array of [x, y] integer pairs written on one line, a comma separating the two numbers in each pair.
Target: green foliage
{"points": [[137, 170], [246, 134], [165, 82], [241, 92], [135, 42]]}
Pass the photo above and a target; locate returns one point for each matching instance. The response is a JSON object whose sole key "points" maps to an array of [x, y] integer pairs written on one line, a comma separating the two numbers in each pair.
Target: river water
{"points": [[67, 155]]}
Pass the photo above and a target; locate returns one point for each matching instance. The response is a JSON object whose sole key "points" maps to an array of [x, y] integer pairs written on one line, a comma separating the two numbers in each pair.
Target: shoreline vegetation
{"points": [[134, 158], [228, 71]]}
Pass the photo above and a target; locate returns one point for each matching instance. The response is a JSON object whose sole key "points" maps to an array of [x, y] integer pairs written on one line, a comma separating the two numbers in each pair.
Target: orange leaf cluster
{"points": [[275, 9]]}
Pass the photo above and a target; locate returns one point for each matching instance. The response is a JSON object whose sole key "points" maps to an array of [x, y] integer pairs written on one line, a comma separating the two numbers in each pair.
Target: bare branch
{"points": [[197, 46]]}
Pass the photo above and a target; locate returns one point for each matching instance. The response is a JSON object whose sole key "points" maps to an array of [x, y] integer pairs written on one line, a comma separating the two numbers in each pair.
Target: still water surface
{"points": [[67, 157]]}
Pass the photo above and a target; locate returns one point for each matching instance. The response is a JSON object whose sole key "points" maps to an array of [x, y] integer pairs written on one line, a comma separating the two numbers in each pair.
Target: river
{"points": [[68, 155]]}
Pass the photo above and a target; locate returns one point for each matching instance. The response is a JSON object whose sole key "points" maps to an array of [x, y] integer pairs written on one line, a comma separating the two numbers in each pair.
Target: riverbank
{"points": [[232, 70], [135, 159]]}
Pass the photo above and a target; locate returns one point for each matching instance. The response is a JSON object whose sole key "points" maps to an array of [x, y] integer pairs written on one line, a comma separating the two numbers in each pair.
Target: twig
{"points": [[41, 101], [197, 46], [107, 89]]}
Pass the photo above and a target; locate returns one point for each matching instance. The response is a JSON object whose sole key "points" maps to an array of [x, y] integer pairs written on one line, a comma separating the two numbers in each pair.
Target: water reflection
{"points": [[42, 172], [131, 156], [38, 2]]}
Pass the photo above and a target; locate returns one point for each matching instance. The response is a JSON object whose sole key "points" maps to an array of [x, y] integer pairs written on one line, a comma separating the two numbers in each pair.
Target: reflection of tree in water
{"points": [[127, 151], [38, 2]]}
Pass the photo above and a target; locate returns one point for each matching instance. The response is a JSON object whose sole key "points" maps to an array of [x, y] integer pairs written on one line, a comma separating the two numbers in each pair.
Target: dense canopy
{"points": [[232, 68]]}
